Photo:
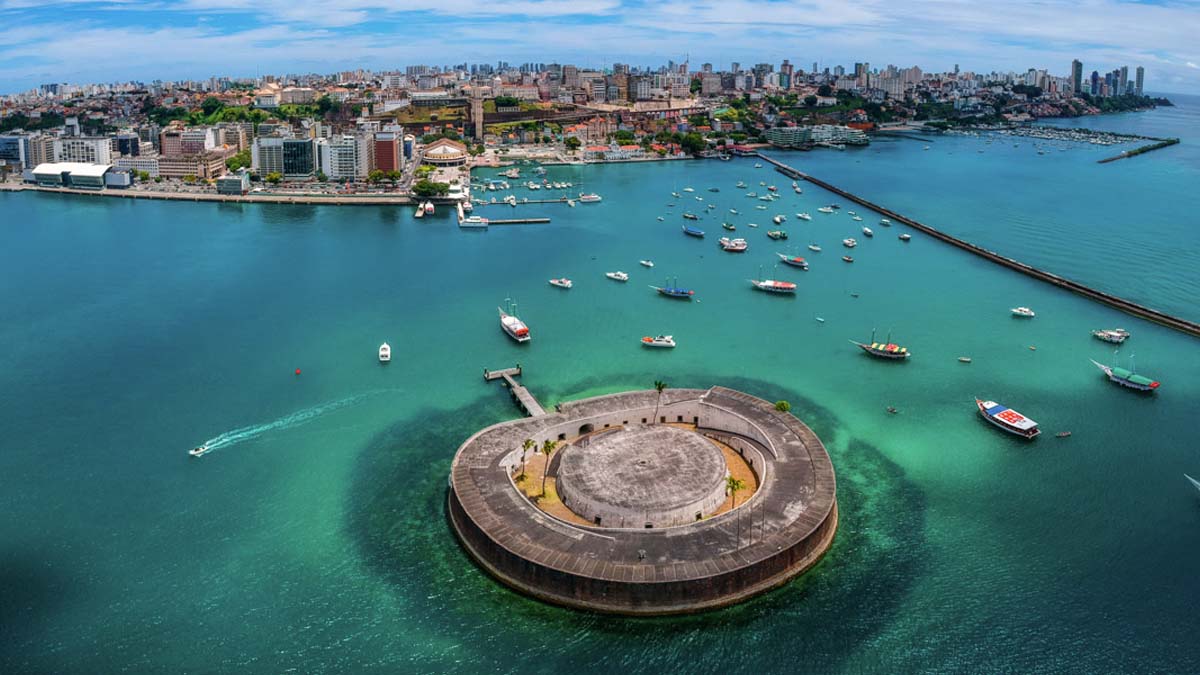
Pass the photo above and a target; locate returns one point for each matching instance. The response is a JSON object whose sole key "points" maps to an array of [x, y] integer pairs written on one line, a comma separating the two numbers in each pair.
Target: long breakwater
{"points": [[1127, 306]]}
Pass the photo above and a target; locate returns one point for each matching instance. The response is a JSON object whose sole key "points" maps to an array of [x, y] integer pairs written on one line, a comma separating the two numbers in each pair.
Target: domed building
{"points": [[445, 152]]}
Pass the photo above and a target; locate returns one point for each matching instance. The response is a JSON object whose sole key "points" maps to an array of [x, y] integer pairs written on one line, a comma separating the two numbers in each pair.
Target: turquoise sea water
{"points": [[314, 538]]}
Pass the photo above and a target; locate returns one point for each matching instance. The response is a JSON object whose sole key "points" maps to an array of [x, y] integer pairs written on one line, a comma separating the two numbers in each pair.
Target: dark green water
{"points": [[317, 542]]}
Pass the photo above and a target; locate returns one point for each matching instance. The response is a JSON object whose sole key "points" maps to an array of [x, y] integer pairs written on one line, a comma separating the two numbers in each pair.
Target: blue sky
{"points": [[81, 41]]}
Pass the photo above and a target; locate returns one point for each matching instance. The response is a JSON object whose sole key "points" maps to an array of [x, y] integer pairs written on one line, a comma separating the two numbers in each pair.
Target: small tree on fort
{"points": [[527, 445], [659, 386], [783, 406], [548, 447], [732, 485]]}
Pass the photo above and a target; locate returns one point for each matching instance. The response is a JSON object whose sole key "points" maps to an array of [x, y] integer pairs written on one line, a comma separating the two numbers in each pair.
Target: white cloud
{"points": [[197, 38]]}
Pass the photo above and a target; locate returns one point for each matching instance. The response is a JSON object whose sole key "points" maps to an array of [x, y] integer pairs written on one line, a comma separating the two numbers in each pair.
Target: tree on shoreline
{"points": [[659, 386]]}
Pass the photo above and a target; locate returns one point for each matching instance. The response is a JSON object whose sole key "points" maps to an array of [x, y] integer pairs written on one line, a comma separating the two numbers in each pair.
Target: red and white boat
{"points": [[774, 285], [738, 245], [1008, 419], [589, 198], [562, 283], [515, 327]]}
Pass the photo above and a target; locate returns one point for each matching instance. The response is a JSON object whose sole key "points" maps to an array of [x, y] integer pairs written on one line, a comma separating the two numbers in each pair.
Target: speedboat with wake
{"points": [[198, 451]]}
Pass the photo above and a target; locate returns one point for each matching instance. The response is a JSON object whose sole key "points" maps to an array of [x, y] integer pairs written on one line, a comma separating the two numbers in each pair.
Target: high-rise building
{"points": [[1076, 76], [96, 150], [1124, 81], [1137, 86], [1095, 82], [389, 151], [570, 77]]}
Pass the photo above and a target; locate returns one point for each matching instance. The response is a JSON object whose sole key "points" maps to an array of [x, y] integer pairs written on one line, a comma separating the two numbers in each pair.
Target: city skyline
{"points": [[198, 39]]}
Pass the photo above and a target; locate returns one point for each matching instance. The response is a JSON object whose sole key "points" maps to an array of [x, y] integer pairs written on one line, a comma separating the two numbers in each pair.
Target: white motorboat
{"points": [[1023, 312], [589, 198], [814, 247], [647, 263], [473, 222], [826, 209], [385, 353], [849, 243], [663, 341], [757, 165], [660, 218], [803, 216], [1113, 335], [905, 237], [857, 219], [777, 220], [562, 283], [688, 189], [867, 231], [617, 276], [733, 211], [428, 208], [196, 452], [851, 213], [761, 208], [885, 222]]}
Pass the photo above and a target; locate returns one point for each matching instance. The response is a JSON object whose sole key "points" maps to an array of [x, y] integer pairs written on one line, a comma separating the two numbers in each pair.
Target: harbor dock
{"points": [[1162, 318], [523, 397]]}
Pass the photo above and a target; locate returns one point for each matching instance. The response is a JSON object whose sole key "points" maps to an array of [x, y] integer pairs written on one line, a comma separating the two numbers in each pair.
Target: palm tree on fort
{"points": [[659, 386], [526, 446], [732, 485], [548, 447]]}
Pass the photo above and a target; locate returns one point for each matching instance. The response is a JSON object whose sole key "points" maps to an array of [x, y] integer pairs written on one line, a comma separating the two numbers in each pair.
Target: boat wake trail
{"points": [[286, 422]]}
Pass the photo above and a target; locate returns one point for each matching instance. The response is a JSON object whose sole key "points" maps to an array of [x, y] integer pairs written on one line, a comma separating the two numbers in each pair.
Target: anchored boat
{"points": [[675, 291], [693, 231], [777, 234], [385, 353], [738, 245], [884, 350], [661, 341], [774, 285], [617, 276], [1023, 312], [1113, 335], [514, 327], [1127, 378], [1008, 419], [562, 283], [794, 261]]}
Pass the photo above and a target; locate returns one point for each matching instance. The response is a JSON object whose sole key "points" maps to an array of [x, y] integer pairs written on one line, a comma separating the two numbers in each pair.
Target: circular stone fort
{"points": [[646, 524]]}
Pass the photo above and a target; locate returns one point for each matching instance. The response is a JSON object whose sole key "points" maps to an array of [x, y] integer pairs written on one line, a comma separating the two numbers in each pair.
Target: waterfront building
{"points": [[1141, 76], [203, 165], [294, 158], [337, 157], [127, 144], [234, 183], [79, 175], [389, 155], [1076, 76], [1123, 80], [86, 149], [140, 163], [196, 141]]}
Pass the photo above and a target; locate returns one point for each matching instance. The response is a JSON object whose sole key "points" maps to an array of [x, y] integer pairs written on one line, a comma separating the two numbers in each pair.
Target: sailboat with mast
{"points": [[673, 290], [1126, 377], [883, 350], [514, 327]]}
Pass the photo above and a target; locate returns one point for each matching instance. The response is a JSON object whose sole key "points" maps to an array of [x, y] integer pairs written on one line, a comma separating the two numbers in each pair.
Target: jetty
{"points": [[1162, 318], [517, 221], [523, 397]]}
